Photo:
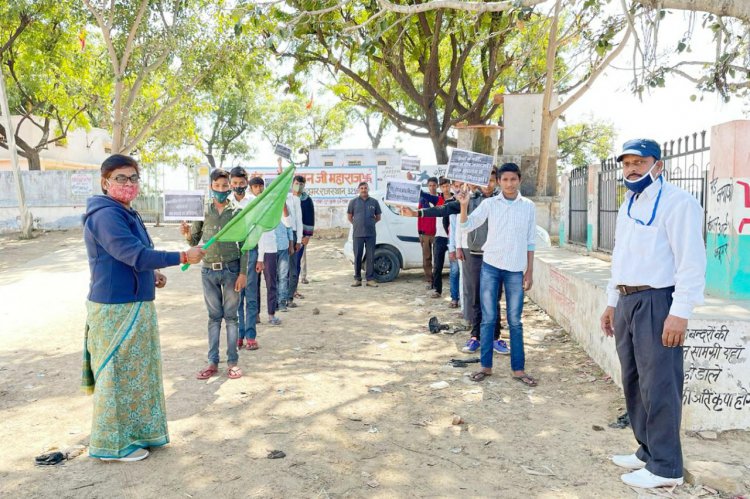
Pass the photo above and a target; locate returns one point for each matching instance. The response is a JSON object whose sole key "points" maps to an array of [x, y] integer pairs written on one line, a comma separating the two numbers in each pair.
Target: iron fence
{"points": [[578, 209], [686, 164]]}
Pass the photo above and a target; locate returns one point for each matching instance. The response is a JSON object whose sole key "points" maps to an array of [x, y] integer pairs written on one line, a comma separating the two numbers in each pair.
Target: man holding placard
{"points": [[363, 213], [427, 227]]}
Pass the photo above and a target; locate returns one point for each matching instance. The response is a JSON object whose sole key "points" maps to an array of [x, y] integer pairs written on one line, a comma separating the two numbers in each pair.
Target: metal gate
{"points": [[578, 209]]}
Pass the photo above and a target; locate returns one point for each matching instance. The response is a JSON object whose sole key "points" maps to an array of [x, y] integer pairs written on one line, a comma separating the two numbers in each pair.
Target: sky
{"points": [[664, 114]]}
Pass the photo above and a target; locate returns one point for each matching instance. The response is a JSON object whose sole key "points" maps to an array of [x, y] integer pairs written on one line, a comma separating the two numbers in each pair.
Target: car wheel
{"points": [[386, 265]]}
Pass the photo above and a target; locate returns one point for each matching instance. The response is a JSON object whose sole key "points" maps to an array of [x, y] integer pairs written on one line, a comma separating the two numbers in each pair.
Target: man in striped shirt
{"points": [[508, 261]]}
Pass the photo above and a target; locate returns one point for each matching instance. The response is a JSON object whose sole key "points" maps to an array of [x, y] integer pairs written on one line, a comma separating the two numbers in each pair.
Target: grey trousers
{"points": [[652, 378]]}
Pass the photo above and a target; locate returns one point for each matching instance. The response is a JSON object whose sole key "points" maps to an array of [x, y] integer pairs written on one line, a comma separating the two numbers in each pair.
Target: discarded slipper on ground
{"points": [[276, 454], [435, 326], [463, 362], [49, 459]]}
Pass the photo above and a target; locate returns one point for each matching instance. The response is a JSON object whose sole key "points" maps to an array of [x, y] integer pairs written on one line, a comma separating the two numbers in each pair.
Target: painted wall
{"points": [[728, 212], [571, 289]]}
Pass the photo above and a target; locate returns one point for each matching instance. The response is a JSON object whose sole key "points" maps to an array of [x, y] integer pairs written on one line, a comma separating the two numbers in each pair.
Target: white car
{"points": [[397, 243]]}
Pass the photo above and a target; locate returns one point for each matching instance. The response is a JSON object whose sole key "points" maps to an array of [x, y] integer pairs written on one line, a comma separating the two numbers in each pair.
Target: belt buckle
{"points": [[623, 289], [217, 266]]}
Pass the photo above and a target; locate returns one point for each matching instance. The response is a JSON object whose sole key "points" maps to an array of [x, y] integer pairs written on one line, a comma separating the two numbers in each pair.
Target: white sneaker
{"points": [[644, 479], [629, 461], [136, 455]]}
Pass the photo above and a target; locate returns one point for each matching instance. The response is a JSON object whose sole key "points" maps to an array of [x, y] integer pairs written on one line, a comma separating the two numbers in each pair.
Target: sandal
{"points": [[479, 376], [234, 372], [526, 380], [211, 370], [298, 295], [252, 345]]}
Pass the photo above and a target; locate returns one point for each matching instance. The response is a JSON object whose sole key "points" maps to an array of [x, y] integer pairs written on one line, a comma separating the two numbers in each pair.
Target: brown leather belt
{"points": [[629, 290]]}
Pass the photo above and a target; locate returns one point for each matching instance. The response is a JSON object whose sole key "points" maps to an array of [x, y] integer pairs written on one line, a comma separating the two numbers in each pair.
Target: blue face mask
{"points": [[220, 196], [642, 183]]}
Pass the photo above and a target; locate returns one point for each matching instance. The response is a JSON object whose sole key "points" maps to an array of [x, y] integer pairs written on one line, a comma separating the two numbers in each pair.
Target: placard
{"points": [[184, 205], [283, 151], [410, 164], [402, 192], [470, 167]]}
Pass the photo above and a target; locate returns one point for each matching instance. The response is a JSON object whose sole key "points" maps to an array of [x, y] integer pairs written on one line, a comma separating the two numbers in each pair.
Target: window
{"points": [[382, 162], [328, 163], [354, 162]]}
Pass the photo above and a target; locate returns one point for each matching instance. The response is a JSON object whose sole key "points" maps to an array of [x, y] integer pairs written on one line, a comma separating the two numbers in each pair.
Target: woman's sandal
{"points": [[479, 376], [234, 372], [208, 372], [526, 380]]}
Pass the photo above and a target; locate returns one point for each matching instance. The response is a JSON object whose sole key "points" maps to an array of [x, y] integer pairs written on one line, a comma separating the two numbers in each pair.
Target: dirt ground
{"points": [[346, 394]]}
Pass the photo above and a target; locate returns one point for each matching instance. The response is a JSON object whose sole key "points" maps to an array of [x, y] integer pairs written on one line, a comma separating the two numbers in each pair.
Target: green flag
{"points": [[260, 215]]}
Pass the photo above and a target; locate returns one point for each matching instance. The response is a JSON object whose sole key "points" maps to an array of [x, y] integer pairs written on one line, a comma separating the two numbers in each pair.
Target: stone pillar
{"points": [[592, 205], [728, 212], [564, 209], [479, 138]]}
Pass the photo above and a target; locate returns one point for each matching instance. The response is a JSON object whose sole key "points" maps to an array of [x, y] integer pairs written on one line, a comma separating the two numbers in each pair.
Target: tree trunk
{"points": [[33, 160], [211, 161], [440, 146]]}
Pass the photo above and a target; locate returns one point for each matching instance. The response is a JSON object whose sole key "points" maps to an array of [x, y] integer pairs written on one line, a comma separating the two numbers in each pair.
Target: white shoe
{"points": [[644, 479], [136, 455], [629, 461]]}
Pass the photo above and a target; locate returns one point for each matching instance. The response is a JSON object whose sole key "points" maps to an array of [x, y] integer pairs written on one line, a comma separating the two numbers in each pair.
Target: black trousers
{"points": [[364, 246], [439, 249], [271, 276], [473, 267], [652, 378]]}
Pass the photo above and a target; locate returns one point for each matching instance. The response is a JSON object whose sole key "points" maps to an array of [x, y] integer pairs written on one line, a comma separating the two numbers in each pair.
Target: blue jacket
{"points": [[121, 255]]}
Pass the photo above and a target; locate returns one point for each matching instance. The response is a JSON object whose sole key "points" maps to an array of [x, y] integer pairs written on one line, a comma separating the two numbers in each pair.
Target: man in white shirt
{"points": [[294, 221], [267, 257], [658, 276], [508, 261]]}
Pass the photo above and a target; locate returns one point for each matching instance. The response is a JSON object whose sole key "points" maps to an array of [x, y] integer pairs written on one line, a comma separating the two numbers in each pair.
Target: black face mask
{"points": [[240, 190]]}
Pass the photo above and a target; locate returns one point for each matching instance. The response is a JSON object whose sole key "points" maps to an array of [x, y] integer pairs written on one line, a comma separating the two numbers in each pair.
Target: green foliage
{"points": [[586, 143]]}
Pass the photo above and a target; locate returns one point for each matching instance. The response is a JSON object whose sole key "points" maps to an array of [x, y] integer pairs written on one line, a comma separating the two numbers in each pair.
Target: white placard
{"points": [[184, 205], [283, 151], [81, 184], [402, 192], [410, 164], [470, 167]]}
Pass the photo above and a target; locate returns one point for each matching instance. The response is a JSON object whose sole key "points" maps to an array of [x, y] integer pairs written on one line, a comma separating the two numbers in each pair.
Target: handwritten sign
{"points": [[410, 164], [402, 192], [81, 184], [184, 205], [470, 167], [283, 151]]}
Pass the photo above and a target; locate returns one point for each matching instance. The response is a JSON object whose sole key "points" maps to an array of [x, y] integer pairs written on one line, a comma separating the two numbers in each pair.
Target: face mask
{"points": [[240, 190], [642, 183], [297, 188], [122, 193], [221, 197]]}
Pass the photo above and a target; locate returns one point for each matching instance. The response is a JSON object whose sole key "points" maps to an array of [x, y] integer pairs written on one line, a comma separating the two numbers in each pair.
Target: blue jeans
{"points": [[222, 302], [282, 268], [248, 304], [489, 289], [454, 279]]}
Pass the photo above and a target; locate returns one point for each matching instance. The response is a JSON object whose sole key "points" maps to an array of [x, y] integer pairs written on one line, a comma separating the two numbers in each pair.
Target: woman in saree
{"points": [[122, 356]]}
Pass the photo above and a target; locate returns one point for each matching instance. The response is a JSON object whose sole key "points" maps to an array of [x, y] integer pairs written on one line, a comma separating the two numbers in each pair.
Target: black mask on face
{"points": [[240, 190]]}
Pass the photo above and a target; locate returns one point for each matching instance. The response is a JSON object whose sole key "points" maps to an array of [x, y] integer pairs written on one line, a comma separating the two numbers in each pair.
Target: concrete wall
{"points": [[571, 288]]}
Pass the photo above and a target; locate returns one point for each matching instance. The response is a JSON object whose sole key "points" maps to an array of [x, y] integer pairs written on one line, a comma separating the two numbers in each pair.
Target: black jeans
{"points": [[439, 249], [473, 267], [364, 246], [652, 379]]}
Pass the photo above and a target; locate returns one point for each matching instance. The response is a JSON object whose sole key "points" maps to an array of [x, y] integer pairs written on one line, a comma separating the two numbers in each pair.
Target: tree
{"points": [[376, 124], [426, 72], [49, 97], [158, 53], [582, 144]]}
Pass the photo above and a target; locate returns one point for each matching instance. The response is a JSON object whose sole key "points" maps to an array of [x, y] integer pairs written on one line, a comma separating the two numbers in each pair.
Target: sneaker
{"points": [[628, 461], [644, 479], [136, 455], [500, 347], [356, 283], [371, 284], [274, 321], [471, 346]]}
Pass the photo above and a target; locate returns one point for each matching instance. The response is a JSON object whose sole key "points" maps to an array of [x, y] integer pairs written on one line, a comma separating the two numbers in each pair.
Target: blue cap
{"points": [[641, 147]]}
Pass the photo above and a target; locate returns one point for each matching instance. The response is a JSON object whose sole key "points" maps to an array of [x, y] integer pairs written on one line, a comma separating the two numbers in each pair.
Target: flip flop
{"points": [[526, 380], [252, 345], [50, 459], [207, 372], [234, 372], [479, 376]]}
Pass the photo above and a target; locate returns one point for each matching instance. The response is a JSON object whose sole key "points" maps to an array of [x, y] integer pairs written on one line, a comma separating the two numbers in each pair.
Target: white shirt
{"points": [[669, 252], [511, 231], [267, 242], [294, 220]]}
